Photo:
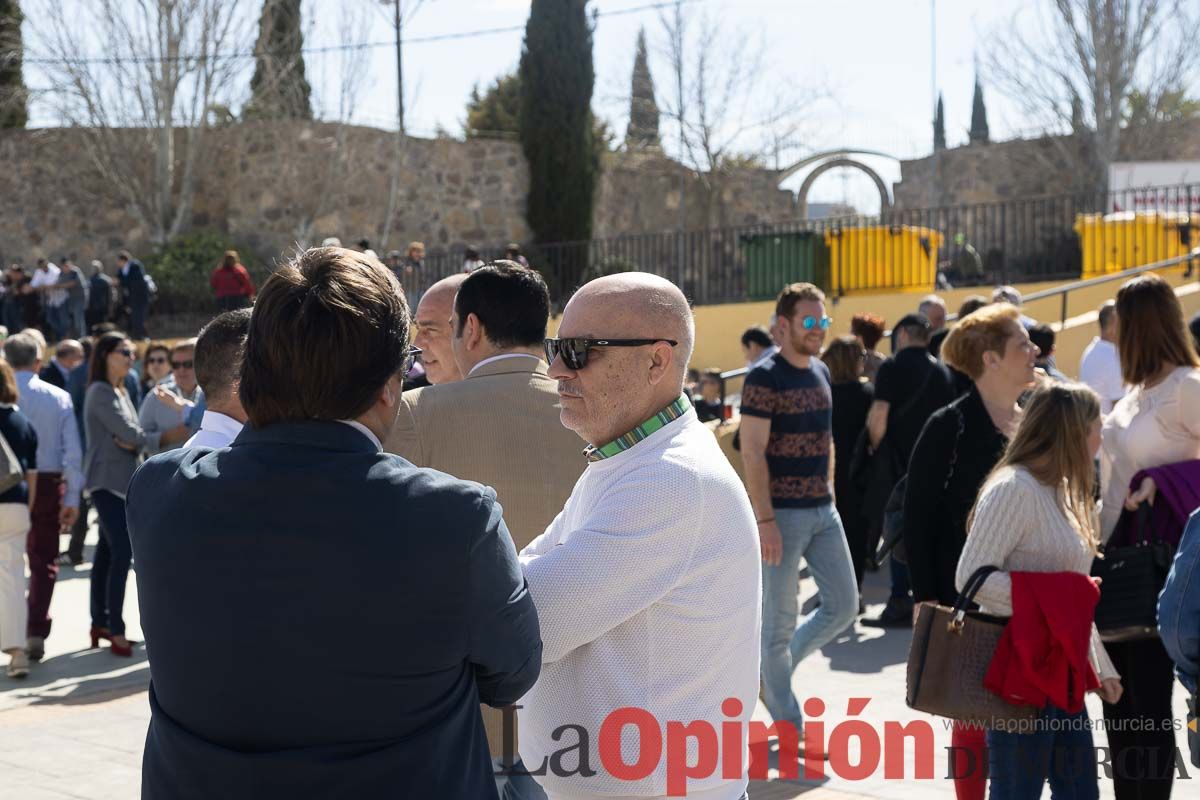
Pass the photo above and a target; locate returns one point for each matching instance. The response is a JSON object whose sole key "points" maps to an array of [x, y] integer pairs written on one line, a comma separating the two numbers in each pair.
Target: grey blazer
{"points": [[107, 413]]}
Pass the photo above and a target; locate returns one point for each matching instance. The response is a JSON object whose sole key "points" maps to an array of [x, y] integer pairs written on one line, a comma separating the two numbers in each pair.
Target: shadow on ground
{"points": [[79, 678]]}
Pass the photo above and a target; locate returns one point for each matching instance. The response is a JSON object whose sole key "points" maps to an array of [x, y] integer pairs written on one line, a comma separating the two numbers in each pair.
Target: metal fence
{"points": [[1052, 237]]}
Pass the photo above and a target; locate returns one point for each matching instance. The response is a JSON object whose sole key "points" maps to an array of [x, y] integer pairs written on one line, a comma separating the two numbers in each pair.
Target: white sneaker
{"points": [[18, 666]]}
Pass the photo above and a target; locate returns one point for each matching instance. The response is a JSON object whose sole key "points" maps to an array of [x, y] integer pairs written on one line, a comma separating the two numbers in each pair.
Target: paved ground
{"points": [[75, 728]]}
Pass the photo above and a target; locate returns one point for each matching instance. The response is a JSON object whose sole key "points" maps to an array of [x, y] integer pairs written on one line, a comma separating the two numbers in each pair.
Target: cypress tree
{"points": [[556, 79], [643, 110], [979, 126], [278, 89], [939, 126], [14, 97]]}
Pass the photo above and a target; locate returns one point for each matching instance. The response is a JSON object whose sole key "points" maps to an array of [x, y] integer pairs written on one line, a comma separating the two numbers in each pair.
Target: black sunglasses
{"points": [[410, 358], [182, 364], [125, 351], [574, 352]]}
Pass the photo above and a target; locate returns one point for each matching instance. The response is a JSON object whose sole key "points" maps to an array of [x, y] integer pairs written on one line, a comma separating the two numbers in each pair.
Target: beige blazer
{"points": [[500, 427]]}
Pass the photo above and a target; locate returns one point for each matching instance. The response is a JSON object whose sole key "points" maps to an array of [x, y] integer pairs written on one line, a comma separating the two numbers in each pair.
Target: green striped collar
{"points": [[622, 443]]}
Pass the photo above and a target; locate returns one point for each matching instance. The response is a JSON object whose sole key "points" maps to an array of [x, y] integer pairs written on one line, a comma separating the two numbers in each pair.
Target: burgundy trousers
{"points": [[42, 548]]}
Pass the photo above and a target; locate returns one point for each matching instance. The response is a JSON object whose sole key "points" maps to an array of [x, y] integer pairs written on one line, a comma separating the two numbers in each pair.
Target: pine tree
{"points": [[643, 110], [979, 125], [939, 126], [557, 79], [496, 111], [14, 97], [278, 89]]}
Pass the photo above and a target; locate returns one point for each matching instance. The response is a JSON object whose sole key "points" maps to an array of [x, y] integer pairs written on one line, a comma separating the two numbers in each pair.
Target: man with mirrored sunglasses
{"points": [[787, 449]]}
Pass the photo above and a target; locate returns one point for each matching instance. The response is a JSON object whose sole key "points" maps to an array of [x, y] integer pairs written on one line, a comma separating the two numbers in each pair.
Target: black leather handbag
{"points": [[1132, 576]]}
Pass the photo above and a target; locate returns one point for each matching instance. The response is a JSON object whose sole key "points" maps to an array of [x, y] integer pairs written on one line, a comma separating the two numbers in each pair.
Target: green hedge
{"points": [[182, 268]]}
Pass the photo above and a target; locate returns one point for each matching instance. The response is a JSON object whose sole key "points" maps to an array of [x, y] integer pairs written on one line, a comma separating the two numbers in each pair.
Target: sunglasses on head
{"points": [[410, 358], [574, 351], [182, 364], [809, 322]]}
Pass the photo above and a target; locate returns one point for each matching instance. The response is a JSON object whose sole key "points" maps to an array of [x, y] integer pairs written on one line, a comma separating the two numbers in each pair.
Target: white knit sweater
{"points": [[648, 587], [1022, 525]]}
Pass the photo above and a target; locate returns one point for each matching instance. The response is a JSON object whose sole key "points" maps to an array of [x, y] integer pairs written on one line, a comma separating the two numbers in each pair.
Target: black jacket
{"points": [[134, 285], [284, 664], [956, 450]]}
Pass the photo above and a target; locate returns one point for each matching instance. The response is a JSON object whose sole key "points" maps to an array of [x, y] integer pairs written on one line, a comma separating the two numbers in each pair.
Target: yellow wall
{"points": [[719, 328]]}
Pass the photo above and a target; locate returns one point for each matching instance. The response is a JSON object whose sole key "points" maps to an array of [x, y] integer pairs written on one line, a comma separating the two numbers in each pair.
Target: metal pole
{"points": [[399, 71], [937, 183]]}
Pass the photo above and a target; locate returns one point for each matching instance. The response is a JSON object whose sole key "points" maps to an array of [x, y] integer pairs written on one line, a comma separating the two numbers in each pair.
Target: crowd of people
{"points": [[976, 450], [570, 537]]}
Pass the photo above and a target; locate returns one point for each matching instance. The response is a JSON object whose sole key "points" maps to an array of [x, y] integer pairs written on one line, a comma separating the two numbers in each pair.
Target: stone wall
{"points": [[985, 173], [640, 193], [272, 186]]}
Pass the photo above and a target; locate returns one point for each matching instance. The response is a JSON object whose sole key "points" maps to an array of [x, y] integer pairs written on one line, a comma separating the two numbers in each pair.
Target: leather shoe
{"points": [[895, 615]]}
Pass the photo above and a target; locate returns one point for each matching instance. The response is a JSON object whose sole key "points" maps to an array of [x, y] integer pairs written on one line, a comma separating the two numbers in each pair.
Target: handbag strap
{"points": [[969, 590]]}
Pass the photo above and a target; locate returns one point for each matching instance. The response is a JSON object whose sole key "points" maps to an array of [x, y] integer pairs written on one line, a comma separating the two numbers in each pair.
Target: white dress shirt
{"points": [[768, 353], [648, 587], [217, 430], [1100, 368]]}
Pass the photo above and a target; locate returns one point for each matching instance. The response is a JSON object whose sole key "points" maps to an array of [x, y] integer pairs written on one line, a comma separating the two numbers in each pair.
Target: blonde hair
{"points": [[983, 331], [1050, 443]]}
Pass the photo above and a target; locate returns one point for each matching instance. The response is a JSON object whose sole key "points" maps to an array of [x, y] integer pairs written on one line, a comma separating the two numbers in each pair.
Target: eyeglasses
{"points": [[809, 322], [410, 358], [574, 351], [182, 364], [156, 360], [125, 351]]}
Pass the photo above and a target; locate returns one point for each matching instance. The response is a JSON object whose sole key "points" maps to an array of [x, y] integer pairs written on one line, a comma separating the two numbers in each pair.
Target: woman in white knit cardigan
{"points": [[1036, 513]]}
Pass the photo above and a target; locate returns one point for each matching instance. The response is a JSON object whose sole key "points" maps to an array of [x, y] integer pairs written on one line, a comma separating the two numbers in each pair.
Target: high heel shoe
{"points": [[123, 650], [98, 634]]}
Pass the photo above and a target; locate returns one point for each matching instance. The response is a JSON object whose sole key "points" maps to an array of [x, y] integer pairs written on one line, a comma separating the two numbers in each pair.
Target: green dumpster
{"points": [[773, 260]]}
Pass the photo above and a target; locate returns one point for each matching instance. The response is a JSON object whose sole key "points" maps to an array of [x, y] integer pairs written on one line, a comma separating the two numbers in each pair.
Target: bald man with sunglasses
{"points": [[647, 584]]}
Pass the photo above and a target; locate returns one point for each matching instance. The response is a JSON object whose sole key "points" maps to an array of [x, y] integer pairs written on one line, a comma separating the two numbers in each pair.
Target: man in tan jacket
{"points": [[498, 426]]}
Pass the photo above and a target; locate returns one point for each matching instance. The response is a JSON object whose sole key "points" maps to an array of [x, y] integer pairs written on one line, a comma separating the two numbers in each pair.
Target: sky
{"points": [[861, 70]]}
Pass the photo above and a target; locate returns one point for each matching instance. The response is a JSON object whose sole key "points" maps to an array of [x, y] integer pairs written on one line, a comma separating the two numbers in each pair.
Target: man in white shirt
{"points": [[218, 362], [648, 584], [45, 277], [1100, 367]]}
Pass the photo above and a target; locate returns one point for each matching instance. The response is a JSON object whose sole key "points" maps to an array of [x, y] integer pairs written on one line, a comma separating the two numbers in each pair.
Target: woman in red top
{"points": [[231, 283]]}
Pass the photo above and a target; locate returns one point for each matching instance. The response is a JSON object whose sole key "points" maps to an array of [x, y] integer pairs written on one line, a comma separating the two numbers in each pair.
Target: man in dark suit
{"points": [[281, 667], [135, 290], [67, 356]]}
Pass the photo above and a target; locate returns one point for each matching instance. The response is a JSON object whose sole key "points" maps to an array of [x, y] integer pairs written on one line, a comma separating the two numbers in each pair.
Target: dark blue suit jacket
{"points": [[323, 620], [133, 284]]}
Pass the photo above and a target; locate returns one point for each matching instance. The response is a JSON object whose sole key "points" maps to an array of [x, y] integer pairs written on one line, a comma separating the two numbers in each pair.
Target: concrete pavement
{"points": [[76, 727]]}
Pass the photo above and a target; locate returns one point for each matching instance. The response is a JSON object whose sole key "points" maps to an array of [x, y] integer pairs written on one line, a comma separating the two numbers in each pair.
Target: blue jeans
{"points": [[1059, 750], [520, 785], [110, 565], [901, 587], [814, 534]]}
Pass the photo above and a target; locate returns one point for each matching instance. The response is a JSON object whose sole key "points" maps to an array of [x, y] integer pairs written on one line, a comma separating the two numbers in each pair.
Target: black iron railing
{"points": [[1029, 239]]}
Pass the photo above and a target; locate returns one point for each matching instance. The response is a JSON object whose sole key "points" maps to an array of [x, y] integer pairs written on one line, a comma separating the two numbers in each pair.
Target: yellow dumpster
{"points": [[1127, 239], [882, 257]]}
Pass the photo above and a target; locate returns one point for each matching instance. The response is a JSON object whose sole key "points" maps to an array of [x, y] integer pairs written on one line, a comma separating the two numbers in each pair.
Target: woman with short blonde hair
{"points": [[957, 449]]}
